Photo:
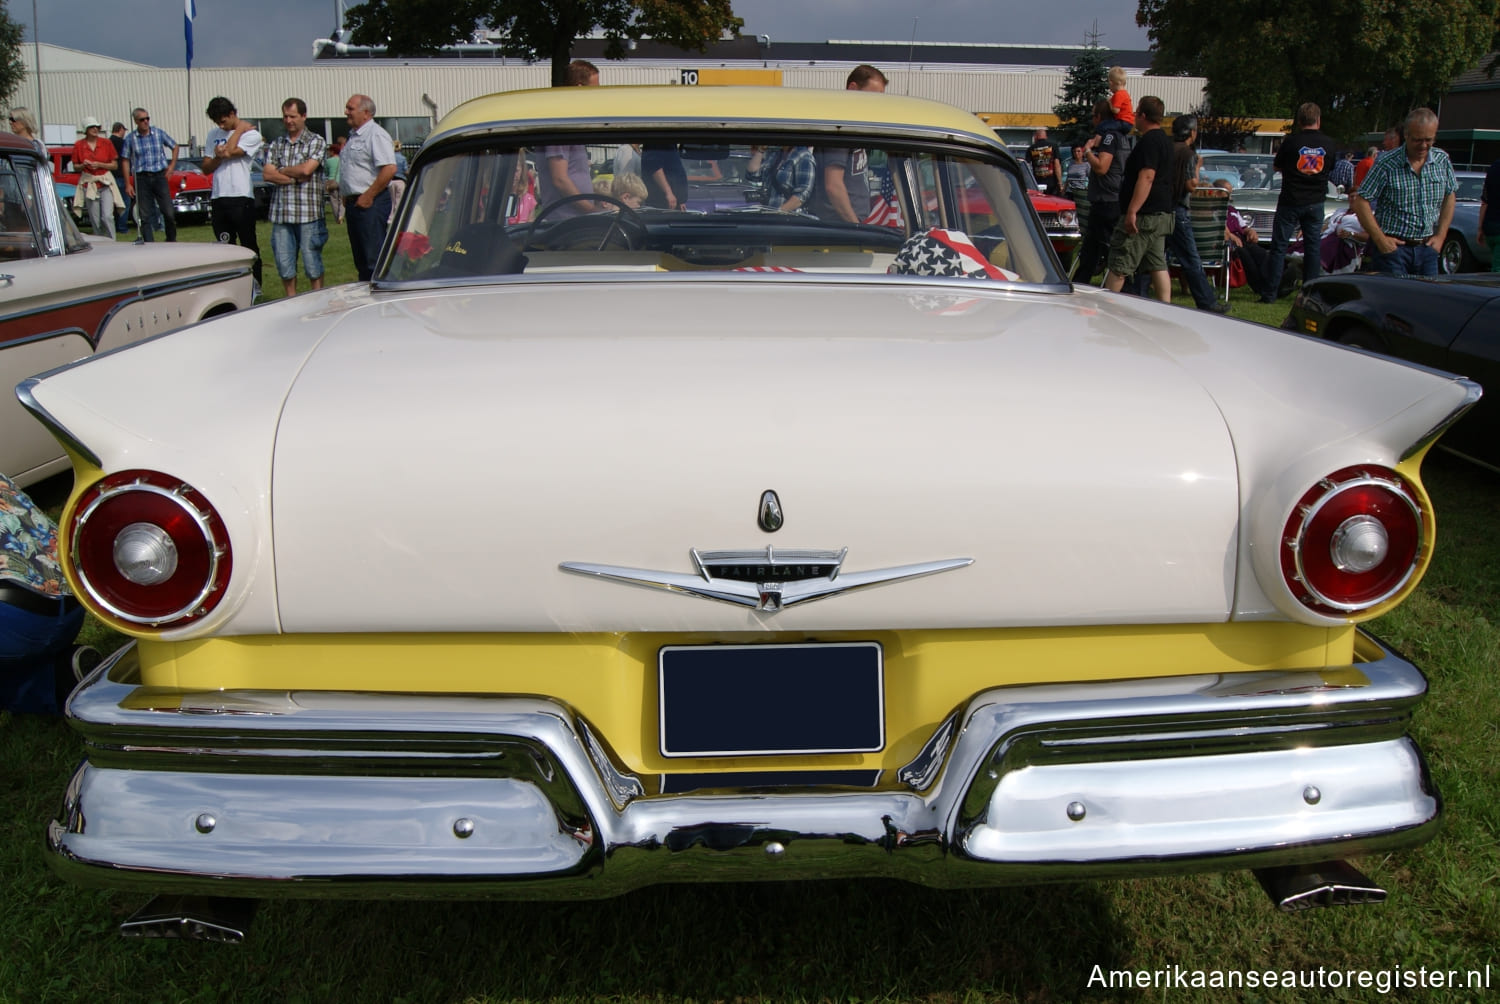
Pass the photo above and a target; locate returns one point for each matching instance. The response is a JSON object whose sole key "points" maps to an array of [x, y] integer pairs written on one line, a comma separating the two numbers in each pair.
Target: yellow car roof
{"points": [[672, 103]]}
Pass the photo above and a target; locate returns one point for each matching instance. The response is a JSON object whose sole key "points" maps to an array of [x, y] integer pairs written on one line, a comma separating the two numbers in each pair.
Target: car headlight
{"points": [[1067, 218]]}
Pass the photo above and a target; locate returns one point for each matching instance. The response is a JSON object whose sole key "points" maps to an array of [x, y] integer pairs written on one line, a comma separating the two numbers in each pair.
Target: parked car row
{"points": [[191, 189], [1464, 250], [1257, 186]]}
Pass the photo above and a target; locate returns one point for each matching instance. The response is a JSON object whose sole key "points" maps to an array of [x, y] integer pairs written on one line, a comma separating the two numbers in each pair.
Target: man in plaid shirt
{"points": [[1406, 201], [148, 160], [294, 164], [786, 175]]}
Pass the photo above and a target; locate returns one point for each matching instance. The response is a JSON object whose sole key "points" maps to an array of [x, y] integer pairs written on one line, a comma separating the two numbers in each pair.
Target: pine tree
{"points": [[1088, 81]]}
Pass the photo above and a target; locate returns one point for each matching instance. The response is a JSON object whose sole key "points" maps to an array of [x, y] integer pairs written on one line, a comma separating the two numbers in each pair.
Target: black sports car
{"points": [[1450, 323]]}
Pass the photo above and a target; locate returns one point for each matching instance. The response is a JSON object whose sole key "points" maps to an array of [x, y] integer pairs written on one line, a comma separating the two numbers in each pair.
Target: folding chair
{"points": [[1208, 209]]}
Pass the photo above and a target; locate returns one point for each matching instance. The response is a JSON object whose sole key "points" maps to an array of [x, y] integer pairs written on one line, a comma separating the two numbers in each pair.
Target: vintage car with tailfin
{"points": [[600, 545], [65, 297]]}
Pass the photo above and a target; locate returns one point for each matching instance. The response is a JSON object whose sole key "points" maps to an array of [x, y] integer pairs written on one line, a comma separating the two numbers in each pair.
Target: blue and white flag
{"points": [[189, 11]]}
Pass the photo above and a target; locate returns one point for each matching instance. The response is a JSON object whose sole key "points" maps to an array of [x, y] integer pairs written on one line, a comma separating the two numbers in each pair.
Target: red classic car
{"points": [[1059, 216], [189, 186]]}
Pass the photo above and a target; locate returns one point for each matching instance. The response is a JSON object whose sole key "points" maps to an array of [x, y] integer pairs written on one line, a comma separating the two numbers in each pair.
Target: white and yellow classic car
{"points": [[64, 297], [594, 546]]}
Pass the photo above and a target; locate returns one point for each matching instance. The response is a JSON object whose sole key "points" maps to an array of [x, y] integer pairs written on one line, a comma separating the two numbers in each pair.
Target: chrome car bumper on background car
{"points": [[194, 203], [256, 794], [1062, 230]]}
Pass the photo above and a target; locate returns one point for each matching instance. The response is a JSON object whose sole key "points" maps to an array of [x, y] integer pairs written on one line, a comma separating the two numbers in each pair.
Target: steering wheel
{"points": [[626, 225]]}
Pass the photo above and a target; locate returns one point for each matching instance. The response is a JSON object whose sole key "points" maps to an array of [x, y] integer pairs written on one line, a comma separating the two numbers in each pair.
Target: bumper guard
{"points": [[377, 795]]}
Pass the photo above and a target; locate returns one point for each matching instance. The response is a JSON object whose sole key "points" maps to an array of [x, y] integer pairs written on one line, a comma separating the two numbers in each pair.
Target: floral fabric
{"points": [[28, 544]]}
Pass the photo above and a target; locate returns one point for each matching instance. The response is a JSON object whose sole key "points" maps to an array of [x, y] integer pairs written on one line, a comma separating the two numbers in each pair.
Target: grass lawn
{"points": [[338, 262], [868, 941]]}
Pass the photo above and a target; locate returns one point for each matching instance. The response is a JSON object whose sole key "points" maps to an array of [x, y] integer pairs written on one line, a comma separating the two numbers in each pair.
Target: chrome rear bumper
{"points": [[339, 794]]}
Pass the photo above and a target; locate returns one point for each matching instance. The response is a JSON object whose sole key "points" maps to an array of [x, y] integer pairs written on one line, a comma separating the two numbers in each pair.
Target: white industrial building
{"points": [[411, 95]]}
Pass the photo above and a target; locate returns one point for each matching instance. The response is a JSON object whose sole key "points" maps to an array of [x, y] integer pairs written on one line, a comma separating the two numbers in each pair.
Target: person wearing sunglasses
{"points": [[149, 159]]}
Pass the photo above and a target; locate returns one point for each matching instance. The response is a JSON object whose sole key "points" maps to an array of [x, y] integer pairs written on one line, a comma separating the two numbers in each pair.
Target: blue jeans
{"points": [[1288, 219], [34, 649], [1418, 260], [155, 203], [1180, 242], [122, 211], [287, 239], [367, 232]]}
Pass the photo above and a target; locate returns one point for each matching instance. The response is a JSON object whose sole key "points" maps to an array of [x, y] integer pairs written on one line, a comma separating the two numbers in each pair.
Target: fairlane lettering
{"points": [[773, 573]]}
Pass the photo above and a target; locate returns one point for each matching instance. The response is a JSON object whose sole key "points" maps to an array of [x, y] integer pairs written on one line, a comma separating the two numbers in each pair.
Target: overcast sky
{"points": [[281, 32]]}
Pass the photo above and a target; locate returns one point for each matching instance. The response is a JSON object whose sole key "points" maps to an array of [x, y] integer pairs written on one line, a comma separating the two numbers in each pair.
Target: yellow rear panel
{"points": [[610, 679]]}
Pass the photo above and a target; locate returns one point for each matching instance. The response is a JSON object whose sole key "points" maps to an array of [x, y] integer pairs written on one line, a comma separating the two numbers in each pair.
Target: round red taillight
{"points": [[149, 549], [1353, 540]]}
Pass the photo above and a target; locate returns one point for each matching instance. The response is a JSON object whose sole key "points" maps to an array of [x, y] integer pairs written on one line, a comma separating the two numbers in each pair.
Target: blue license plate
{"points": [[766, 700]]}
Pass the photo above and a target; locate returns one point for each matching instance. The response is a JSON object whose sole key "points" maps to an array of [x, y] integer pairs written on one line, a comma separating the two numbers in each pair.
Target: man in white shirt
{"points": [[366, 166], [232, 145]]}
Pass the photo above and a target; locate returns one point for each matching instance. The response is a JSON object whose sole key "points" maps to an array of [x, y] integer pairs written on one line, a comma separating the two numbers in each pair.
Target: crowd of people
{"points": [[1134, 178], [125, 178], [1139, 184]]}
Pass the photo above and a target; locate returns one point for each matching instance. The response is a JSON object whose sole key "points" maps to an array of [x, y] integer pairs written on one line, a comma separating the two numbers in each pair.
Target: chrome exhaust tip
{"points": [[1304, 887], [192, 918]]}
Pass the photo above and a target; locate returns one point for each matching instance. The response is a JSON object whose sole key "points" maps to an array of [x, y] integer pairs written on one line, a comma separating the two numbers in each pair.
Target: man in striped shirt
{"points": [[1406, 201]]}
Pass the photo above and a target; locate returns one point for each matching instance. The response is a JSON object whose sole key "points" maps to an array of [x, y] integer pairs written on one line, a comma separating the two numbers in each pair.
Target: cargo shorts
{"points": [[1143, 251]]}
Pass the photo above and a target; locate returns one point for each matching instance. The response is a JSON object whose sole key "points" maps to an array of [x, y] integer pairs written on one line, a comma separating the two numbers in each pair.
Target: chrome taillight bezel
{"points": [[1328, 491], [179, 496]]}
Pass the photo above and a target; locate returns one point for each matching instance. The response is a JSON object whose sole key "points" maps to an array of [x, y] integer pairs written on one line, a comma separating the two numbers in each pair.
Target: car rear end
{"points": [[737, 573]]}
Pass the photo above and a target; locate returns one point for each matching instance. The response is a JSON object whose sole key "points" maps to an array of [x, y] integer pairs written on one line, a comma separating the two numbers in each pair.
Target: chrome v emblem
{"points": [[767, 579]]}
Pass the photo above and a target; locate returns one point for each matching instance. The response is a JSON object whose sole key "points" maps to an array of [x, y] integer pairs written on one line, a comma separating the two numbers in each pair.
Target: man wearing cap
{"points": [[149, 159], [94, 159]]}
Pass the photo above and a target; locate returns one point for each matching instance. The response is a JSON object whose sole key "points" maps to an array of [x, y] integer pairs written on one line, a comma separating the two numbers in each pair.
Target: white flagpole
{"points": [[189, 12]]}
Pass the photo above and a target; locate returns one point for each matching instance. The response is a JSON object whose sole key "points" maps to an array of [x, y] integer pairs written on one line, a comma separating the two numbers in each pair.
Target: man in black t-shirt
{"points": [[1139, 240], [1304, 159], [1046, 162], [1105, 156]]}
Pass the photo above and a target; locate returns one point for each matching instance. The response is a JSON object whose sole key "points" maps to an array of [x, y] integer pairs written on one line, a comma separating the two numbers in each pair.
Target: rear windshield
{"points": [[685, 203]]}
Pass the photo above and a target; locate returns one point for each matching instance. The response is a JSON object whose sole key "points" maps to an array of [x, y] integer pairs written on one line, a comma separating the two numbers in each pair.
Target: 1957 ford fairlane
{"points": [[601, 546]]}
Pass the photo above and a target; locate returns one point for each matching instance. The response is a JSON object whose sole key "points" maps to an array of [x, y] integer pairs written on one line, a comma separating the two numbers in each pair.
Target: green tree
{"points": [[1088, 81], [12, 68], [1217, 131], [1365, 62], [539, 29]]}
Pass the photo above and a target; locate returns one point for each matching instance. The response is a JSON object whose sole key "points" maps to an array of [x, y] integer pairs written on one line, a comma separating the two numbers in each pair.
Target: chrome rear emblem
{"points": [[767, 580], [770, 512]]}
